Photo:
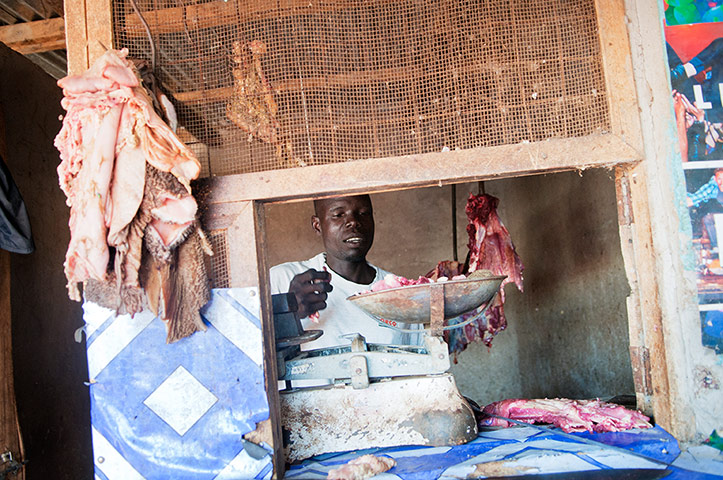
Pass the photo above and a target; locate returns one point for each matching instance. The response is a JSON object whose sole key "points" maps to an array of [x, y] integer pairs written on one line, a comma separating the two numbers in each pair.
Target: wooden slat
{"points": [[245, 235], [35, 37], [618, 68], [45, 8], [269, 338], [100, 28], [9, 432], [88, 32], [644, 313], [340, 80], [376, 175], [76, 36], [10, 439], [222, 13]]}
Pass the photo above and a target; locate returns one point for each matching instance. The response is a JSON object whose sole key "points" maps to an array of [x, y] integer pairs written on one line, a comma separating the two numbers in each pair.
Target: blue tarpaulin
{"points": [[177, 411]]}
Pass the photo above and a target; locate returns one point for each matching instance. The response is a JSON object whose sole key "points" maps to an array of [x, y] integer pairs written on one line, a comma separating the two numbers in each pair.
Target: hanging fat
{"points": [[110, 118]]}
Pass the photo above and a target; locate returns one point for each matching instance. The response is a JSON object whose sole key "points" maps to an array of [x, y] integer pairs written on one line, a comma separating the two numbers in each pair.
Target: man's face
{"points": [[719, 179], [346, 226]]}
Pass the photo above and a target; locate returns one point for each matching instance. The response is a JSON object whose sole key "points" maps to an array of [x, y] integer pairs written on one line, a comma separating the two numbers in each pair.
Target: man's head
{"points": [[346, 226], [719, 177]]}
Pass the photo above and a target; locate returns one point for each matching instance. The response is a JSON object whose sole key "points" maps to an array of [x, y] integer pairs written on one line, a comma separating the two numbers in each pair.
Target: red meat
{"points": [[569, 415], [490, 248]]}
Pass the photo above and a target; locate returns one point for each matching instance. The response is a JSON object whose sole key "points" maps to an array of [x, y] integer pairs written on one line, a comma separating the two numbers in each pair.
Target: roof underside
{"points": [[35, 28]]}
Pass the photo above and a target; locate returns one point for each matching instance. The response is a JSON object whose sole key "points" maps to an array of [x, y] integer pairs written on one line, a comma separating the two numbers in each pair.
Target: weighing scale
{"points": [[381, 395]]}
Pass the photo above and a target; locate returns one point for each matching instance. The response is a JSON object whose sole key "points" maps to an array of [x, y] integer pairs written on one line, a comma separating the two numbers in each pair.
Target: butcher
{"points": [[321, 284]]}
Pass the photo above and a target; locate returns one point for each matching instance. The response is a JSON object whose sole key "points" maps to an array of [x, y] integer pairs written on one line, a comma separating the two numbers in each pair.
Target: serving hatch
{"points": [[417, 303]]}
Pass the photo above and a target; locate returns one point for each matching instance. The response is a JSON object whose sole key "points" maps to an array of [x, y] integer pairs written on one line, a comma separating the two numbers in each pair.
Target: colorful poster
{"points": [[694, 43]]}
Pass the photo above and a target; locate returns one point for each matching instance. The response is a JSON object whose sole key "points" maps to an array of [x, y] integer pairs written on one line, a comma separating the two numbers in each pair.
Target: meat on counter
{"points": [[361, 468], [569, 415]]}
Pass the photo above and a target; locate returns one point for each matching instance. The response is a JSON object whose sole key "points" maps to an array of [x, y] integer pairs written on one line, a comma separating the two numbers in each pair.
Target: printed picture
{"points": [[694, 44]]}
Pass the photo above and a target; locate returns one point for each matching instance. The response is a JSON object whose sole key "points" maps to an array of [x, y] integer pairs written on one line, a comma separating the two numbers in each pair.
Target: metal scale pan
{"points": [[425, 303]]}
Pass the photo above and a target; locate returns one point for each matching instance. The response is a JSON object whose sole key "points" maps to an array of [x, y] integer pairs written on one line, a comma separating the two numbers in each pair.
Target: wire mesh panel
{"points": [[267, 85], [219, 261]]}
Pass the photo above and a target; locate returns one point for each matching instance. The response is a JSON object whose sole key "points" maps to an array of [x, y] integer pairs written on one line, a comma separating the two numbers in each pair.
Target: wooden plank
{"points": [[217, 13], [9, 429], [100, 27], [618, 69], [270, 367], [644, 313], [76, 36], [45, 8], [88, 32], [35, 37], [394, 173], [10, 439]]}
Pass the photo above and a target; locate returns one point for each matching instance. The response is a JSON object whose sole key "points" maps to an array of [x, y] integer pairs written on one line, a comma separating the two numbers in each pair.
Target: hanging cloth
{"points": [[15, 233]]}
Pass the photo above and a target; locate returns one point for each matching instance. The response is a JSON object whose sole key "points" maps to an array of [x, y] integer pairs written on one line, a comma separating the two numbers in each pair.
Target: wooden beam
{"points": [[35, 37], [247, 267], [217, 13], [100, 28], [396, 173], [10, 438]]}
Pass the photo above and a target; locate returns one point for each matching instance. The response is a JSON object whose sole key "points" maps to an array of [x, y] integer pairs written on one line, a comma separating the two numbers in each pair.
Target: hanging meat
{"points": [[127, 180], [490, 249], [252, 107]]}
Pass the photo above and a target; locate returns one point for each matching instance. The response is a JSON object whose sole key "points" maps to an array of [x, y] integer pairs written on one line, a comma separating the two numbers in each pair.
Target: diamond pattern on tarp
{"points": [[214, 393], [180, 415]]}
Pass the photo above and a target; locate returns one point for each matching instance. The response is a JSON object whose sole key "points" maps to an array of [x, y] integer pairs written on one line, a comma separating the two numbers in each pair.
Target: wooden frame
{"points": [[236, 202]]}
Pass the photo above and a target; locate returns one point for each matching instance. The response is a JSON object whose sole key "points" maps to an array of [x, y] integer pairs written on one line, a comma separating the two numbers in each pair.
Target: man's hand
{"points": [[310, 289]]}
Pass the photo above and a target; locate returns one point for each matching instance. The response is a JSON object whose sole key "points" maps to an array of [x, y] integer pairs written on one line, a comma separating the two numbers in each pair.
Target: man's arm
{"points": [[708, 191]]}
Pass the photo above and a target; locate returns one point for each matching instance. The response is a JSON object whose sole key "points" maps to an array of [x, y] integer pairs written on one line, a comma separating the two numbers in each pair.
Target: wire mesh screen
{"points": [[220, 277], [267, 85]]}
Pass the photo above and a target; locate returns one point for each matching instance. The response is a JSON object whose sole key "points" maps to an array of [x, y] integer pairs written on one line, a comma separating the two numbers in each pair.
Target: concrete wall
{"points": [[49, 366], [567, 333]]}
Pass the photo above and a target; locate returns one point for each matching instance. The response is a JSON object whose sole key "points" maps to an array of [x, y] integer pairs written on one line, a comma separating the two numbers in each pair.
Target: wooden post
{"points": [[88, 32], [647, 348]]}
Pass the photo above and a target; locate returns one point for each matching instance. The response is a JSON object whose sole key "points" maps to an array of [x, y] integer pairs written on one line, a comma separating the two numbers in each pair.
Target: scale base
{"points": [[423, 410]]}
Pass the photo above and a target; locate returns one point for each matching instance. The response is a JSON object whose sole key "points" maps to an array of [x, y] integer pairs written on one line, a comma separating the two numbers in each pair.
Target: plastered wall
{"points": [[49, 366], [567, 333]]}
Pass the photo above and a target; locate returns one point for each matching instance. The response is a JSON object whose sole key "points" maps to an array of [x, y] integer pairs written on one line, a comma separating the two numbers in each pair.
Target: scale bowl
{"points": [[411, 304]]}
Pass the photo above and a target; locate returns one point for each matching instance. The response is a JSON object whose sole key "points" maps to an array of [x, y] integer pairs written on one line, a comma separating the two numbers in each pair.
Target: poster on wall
{"points": [[694, 44]]}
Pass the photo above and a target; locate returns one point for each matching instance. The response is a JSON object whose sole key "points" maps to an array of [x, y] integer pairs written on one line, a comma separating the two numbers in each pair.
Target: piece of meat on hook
{"points": [[109, 114], [252, 107]]}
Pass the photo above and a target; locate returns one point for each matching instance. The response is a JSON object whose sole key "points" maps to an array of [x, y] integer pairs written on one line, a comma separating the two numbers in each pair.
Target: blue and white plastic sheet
{"points": [[177, 411]]}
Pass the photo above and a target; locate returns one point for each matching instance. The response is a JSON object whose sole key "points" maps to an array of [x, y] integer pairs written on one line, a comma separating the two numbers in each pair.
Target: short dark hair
{"points": [[320, 201]]}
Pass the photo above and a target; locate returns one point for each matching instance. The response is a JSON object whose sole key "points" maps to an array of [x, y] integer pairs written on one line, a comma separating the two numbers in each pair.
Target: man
{"points": [[322, 283], [710, 190], [713, 189], [700, 122]]}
